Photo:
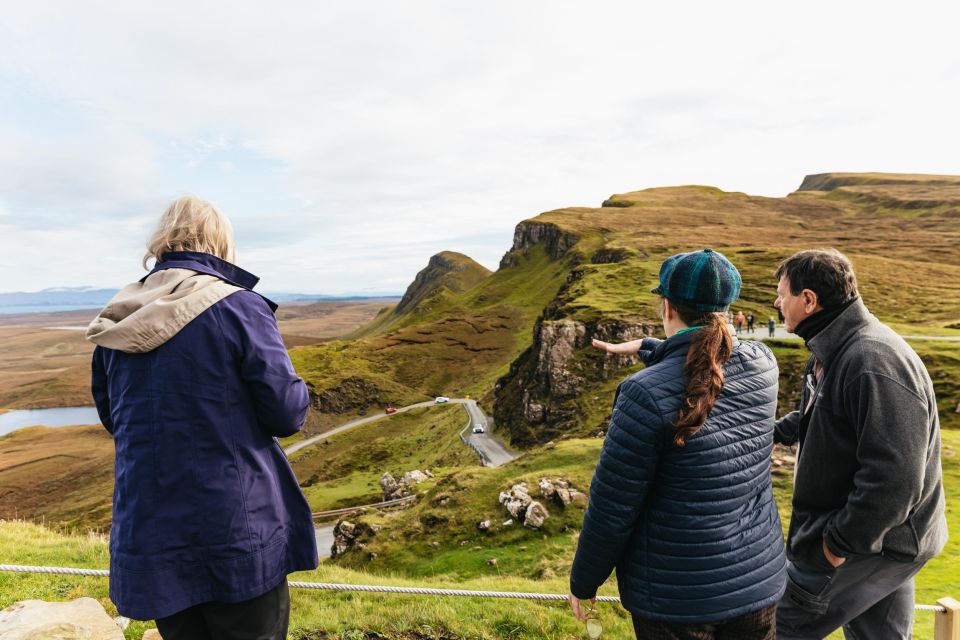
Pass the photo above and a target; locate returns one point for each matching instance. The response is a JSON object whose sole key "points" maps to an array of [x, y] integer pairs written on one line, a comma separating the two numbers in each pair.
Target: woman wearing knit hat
{"points": [[681, 502]]}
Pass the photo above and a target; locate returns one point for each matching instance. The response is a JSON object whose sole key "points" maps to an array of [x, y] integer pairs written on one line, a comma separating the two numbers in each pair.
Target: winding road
{"points": [[492, 451]]}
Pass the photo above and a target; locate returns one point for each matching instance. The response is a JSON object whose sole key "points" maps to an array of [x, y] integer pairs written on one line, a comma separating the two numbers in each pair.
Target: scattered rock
{"points": [[372, 555], [80, 619], [492, 562], [483, 525], [559, 490], [508, 522], [434, 544], [477, 548], [391, 488], [516, 500], [122, 622], [535, 515], [349, 537], [414, 477], [427, 473]]}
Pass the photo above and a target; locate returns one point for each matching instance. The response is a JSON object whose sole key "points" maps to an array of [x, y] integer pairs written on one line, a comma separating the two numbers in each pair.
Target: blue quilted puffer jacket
{"points": [[693, 532]]}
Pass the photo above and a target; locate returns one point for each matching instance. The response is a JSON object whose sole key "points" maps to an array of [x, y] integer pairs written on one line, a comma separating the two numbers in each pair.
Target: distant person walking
{"points": [[868, 502], [192, 380], [772, 327], [681, 502], [750, 320], [739, 322]]}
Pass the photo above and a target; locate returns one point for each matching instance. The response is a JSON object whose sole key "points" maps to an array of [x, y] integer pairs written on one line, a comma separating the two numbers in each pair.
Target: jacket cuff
{"points": [[581, 590]]}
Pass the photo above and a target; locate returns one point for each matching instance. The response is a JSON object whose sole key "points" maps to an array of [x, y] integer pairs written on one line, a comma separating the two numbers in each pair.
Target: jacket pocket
{"points": [[809, 589]]}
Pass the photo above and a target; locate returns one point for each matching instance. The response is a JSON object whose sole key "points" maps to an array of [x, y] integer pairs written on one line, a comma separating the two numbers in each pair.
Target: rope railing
{"points": [[366, 588]]}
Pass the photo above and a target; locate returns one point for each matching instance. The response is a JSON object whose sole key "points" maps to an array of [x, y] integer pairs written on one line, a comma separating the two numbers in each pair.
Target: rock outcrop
{"points": [[80, 619], [394, 489], [560, 491], [349, 536], [521, 506], [556, 242], [539, 397]]}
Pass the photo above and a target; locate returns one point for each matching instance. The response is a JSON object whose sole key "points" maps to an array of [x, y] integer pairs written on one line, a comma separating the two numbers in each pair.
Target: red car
{"points": [[391, 410]]}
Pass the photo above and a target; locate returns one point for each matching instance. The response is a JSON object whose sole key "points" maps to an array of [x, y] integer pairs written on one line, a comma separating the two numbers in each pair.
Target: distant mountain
{"points": [[92, 297], [58, 297]]}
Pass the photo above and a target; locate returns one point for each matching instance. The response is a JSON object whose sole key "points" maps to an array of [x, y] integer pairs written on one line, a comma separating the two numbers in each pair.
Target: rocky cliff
{"points": [[556, 241]]}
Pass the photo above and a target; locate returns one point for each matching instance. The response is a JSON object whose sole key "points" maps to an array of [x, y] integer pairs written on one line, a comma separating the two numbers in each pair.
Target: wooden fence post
{"points": [[947, 623]]}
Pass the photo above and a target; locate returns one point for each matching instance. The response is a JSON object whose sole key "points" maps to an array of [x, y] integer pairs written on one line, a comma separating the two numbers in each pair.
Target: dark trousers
{"points": [[265, 617], [759, 625], [869, 596]]}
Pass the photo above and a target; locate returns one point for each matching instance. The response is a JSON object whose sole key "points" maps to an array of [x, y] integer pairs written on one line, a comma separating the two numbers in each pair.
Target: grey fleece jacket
{"points": [[868, 477]]}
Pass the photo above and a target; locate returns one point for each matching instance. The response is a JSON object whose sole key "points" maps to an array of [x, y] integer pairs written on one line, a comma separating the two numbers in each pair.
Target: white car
{"points": [[480, 428], [442, 399]]}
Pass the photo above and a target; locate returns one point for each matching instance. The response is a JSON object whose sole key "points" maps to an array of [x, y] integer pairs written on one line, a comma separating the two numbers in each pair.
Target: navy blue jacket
{"points": [[205, 505], [693, 532]]}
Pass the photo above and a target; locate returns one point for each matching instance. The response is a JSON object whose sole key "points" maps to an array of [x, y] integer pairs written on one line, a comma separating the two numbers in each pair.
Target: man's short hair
{"points": [[826, 272]]}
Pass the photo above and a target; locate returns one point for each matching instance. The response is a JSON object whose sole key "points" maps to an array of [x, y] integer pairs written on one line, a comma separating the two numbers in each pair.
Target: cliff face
{"points": [[556, 241], [831, 181], [539, 398]]}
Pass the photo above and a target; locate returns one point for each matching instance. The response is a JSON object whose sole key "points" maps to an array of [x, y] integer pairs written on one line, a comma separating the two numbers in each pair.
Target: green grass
{"points": [[345, 469], [527, 560], [341, 615], [468, 338]]}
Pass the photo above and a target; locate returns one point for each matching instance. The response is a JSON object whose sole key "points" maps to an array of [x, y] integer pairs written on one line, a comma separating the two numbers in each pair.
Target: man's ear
{"points": [[811, 302]]}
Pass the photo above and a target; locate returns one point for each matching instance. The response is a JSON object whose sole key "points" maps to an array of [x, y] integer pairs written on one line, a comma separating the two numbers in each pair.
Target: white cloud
{"points": [[350, 140]]}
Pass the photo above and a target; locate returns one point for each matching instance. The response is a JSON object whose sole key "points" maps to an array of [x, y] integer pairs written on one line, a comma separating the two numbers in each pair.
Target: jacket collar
{"points": [[210, 265], [828, 342], [678, 343]]}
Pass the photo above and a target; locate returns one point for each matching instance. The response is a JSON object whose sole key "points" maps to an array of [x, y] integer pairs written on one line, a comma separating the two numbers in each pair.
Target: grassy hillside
{"points": [[457, 345], [345, 470], [436, 543], [42, 368], [62, 476]]}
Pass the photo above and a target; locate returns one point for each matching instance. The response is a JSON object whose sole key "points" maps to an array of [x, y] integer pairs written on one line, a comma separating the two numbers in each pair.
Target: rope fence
{"points": [[365, 588]]}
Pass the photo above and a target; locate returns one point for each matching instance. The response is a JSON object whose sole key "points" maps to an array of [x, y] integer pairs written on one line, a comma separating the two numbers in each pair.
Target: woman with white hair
{"points": [[193, 381]]}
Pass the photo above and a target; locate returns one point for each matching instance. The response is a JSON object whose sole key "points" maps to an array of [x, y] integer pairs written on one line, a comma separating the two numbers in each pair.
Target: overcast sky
{"points": [[350, 141]]}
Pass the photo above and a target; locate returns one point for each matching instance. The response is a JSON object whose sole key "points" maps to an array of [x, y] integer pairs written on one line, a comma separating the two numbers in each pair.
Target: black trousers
{"points": [[759, 625], [265, 617]]}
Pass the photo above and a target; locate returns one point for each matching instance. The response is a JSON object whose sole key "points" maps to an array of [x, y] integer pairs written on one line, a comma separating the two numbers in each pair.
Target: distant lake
{"points": [[45, 308], [61, 417]]}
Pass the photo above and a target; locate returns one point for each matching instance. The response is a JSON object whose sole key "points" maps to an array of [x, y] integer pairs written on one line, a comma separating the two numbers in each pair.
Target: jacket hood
{"points": [[146, 314]]}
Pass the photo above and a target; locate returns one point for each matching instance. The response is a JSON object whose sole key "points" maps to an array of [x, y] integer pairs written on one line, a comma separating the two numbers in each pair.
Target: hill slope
{"points": [[519, 338]]}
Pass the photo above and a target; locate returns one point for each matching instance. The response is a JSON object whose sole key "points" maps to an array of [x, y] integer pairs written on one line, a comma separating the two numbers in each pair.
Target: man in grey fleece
{"points": [[868, 503]]}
